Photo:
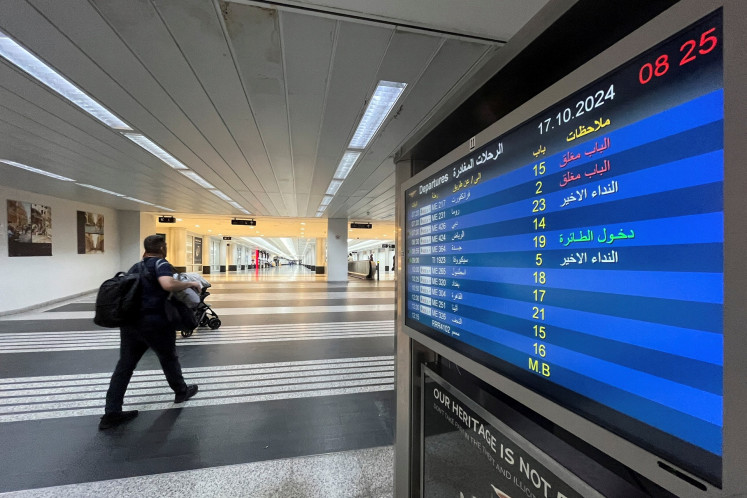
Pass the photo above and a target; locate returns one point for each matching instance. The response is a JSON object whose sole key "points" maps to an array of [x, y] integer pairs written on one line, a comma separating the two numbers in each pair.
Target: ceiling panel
{"points": [[183, 104], [196, 27], [255, 37], [352, 81], [308, 53], [258, 101], [452, 59]]}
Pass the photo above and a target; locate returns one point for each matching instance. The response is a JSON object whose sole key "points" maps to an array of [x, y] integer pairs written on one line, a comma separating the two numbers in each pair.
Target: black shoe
{"points": [[182, 397], [110, 420]]}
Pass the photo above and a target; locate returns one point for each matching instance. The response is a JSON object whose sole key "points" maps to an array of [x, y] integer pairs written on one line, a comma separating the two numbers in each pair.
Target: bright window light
{"points": [[35, 170], [138, 200], [29, 63], [221, 195], [196, 178], [346, 164], [325, 201], [99, 189], [381, 103], [164, 208], [334, 186], [154, 149]]}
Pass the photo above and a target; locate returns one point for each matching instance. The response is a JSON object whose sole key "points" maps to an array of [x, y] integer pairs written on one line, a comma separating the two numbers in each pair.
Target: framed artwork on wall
{"points": [[90, 231], [29, 229]]}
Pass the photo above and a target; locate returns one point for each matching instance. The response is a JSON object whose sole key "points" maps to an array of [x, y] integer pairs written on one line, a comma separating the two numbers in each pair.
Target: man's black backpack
{"points": [[118, 299]]}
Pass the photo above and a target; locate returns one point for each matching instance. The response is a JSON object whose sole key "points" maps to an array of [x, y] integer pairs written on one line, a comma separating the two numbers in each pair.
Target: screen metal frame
{"points": [[650, 465]]}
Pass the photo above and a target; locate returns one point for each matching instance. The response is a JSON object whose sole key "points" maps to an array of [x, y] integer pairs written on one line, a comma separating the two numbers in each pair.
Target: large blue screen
{"points": [[581, 253]]}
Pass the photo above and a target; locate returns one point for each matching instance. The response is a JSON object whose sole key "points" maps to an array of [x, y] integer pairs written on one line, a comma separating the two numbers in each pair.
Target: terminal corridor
{"points": [[296, 397]]}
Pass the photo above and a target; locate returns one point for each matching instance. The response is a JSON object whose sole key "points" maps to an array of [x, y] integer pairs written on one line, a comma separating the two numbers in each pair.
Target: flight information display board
{"points": [[581, 253]]}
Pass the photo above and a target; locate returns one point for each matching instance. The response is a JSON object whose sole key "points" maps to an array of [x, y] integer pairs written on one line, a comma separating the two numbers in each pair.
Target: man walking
{"points": [[150, 329]]}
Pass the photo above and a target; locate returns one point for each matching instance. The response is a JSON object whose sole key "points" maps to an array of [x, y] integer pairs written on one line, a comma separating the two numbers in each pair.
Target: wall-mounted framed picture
{"points": [[90, 231], [29, 229]]}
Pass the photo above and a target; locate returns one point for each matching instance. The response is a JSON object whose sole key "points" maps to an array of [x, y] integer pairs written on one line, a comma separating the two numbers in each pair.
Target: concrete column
{"points": [[404, 359], [176, 241], [321, 252], [230, 256], [130, 241], [337, 250], [309, 257], [224, 249]]}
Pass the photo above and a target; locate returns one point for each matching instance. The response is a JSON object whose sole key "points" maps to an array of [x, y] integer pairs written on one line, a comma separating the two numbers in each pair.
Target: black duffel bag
{"points": [[180, 317]]}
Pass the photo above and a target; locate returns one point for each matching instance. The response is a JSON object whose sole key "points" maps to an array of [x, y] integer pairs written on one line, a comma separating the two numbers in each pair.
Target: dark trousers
{"points": [[134, 342]]}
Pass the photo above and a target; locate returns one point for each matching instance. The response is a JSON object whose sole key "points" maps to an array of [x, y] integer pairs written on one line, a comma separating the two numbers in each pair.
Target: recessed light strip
{"points": [[346, 164], [36, 170], [94, 187], [197, 178], [138, 200], [334, 186], [385, 96], [381, 104], [221, 195], [29, 63], [100, 189], [154, 149]]}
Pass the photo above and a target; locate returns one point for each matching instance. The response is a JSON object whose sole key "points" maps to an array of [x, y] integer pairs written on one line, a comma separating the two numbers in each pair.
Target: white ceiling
{"points": [[258, 98]]}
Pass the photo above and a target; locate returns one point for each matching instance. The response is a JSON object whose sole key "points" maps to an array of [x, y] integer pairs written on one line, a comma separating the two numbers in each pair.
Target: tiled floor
{"points": [[296, 397]]}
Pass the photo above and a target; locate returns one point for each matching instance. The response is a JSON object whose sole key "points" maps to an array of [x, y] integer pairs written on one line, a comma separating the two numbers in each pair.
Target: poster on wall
{"points": [[29, 229], [198, 251], [468, 452], [90, 233]]}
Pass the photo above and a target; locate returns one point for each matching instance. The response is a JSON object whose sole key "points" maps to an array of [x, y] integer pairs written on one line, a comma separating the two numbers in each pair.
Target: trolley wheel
{"points": [[187, 333], [214, 323]]}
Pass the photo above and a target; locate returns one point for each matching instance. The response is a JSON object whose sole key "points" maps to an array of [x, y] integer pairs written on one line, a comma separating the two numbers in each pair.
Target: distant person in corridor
{"points": [[150, 329]]}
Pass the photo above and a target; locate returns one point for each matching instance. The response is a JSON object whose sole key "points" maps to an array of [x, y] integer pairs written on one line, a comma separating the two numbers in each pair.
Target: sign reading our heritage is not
{"points": [[465, 455]]}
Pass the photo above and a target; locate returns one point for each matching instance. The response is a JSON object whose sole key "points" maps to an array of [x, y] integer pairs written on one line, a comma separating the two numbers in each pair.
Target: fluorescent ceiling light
{"points": [[99, 189], [381, 103], [154, 149], [221, 195], [239, 207], [325, 201], [138, 200], [334, 186], [35, 170], [164, 208], [346, 164], [196, 178], [29, 63]]}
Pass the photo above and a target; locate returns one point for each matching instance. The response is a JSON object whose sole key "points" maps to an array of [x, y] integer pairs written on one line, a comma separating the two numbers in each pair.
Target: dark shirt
{"points": [[153, 295]]}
